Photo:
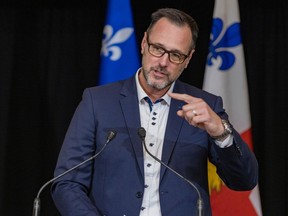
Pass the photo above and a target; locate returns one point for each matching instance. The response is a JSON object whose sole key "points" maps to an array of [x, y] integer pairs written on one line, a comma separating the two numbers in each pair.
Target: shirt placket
{"points": [[152, 167]]}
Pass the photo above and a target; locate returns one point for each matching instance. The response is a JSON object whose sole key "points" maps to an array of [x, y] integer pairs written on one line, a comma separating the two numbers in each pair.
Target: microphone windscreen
{"points": [[142, 133], [111, 135]]}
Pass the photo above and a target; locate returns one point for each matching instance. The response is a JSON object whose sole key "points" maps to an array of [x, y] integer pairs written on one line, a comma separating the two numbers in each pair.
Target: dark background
{"points": [[49, 52]]}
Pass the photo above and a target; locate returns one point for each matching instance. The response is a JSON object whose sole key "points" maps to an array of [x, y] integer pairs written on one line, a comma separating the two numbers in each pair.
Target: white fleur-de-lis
{"points": [[109, 41]]}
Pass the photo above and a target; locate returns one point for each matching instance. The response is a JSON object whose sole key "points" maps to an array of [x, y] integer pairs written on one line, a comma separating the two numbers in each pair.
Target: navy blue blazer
{"points": [[113, 183]]}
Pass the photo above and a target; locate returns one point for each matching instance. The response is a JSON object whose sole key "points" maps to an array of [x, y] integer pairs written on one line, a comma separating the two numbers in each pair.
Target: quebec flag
{"points": [[119, 54], [225, 75]]}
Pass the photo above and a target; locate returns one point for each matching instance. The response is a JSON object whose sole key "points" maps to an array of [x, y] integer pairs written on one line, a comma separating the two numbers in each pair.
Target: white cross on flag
{"points": [[225, 76]]}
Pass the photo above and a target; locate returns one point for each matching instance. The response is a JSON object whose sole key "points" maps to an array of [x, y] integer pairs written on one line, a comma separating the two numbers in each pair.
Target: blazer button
{"points": [[139, 194]]}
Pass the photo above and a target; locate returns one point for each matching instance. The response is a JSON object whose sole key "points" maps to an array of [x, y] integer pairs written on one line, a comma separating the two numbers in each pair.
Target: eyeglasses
{"points": [[158, 51]]}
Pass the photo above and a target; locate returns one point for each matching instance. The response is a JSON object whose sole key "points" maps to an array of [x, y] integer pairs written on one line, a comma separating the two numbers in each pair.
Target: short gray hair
{"points": [[177, 17]]}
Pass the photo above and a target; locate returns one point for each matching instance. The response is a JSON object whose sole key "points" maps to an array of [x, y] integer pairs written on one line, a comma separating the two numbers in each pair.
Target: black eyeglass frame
{"points": [[166, 51]]}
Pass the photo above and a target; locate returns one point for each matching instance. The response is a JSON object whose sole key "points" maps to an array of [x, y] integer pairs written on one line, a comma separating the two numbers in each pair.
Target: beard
{"points": [[157, 83]]}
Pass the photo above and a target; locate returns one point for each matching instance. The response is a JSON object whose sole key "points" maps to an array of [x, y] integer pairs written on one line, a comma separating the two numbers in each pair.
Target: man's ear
{"points": [[143, 42], [189, 58]]}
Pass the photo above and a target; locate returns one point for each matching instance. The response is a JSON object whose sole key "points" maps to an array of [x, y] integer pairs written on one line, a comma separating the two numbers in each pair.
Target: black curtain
{"points": [[49, 52]]}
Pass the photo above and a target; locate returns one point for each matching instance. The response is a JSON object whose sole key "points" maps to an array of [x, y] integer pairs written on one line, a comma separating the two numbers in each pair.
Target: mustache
{"points": [[160, 69]]}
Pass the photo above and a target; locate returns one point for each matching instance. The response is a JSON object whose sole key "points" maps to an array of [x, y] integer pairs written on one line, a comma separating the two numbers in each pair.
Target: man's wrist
{"points": [[227, 131]]}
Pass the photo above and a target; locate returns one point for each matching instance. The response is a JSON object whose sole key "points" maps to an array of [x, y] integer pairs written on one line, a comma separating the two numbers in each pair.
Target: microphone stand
{"points": [[200, 203], [37, 201]]}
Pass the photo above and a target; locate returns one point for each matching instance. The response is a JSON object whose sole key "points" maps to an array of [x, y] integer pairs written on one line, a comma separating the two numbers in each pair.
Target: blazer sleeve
{"points": [[236, 165], [70, 192]]}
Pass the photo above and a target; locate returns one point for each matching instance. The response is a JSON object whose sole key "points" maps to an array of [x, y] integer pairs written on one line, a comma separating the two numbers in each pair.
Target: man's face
{"points": [[160, 72]]}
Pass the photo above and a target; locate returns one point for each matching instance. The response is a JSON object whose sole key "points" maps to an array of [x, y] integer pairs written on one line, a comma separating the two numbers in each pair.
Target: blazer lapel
{"points": [[130, 109], [172, 132], [173, 128]]}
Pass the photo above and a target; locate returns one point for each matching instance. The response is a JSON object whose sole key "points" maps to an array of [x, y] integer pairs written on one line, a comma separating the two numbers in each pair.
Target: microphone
{"points": [[200, 204], [37, 203]]}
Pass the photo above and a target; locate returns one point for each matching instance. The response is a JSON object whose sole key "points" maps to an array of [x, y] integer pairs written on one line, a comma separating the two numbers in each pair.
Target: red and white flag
{"points": [[225, 75]]}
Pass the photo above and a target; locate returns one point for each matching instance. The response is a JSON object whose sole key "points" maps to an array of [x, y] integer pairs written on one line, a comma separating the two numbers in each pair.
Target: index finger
{"points": [[182, 97]]}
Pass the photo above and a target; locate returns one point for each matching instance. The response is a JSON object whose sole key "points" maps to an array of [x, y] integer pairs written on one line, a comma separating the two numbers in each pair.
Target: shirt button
{"points": [[139, 194]]}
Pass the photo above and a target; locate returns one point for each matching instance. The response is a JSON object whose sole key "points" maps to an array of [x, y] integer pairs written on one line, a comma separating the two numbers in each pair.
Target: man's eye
{"points": [[158, 49], [176, 55]]}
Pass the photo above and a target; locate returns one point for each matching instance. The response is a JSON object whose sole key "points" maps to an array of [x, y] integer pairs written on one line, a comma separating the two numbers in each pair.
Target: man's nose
{"points": [[164, 59]]}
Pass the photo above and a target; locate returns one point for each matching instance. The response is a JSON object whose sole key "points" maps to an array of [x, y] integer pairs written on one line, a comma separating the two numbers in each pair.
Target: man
{"points": [[185, 126]]}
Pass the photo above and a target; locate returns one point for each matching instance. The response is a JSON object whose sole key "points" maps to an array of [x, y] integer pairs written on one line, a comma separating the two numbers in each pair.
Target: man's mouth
{"points": [[159, 73]]}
